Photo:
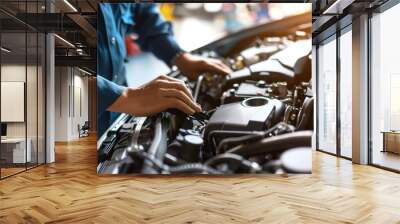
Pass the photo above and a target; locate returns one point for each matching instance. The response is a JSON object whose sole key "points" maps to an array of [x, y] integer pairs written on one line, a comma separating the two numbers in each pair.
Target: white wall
{"points": [[62, 80], [71, 93], [34, 125], [80, 102], [12, 73]]}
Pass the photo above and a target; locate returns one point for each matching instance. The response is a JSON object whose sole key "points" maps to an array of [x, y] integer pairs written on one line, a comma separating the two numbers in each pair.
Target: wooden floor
{"points": [[70, 191], [386, 159], [10, 171]]}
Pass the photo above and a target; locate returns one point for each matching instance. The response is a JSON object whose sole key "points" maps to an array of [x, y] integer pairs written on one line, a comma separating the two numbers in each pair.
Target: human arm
{"points": [[158, 95], [156, 35]]}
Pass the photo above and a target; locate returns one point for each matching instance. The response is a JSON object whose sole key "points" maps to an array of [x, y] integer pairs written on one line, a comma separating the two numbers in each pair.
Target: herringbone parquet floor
{"points": [[70, 191]]}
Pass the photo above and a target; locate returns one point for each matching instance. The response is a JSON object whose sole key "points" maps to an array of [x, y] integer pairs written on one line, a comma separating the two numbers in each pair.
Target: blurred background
{"points": [[197, 24]]}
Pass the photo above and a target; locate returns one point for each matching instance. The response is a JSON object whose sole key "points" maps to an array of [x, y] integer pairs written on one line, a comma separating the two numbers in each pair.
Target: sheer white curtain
{"points": [[327, 96], [346, 93]]}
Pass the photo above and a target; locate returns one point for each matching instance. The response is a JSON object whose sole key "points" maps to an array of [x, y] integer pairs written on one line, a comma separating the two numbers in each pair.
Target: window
{"points": [[22, 78], [327, 96], [346, 92], [385, 89]]}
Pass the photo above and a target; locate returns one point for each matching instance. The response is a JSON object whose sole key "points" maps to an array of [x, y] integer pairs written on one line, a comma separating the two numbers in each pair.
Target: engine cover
{"points": [[252, 114]]}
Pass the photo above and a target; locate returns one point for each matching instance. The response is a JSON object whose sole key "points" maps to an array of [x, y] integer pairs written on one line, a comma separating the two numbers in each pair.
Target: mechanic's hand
{"points": [[192, 65], [158, 95]]}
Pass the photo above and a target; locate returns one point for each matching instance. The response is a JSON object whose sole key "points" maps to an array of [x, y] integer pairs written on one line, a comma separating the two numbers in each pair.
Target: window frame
{"points": [[378, 10], [346, 26]]}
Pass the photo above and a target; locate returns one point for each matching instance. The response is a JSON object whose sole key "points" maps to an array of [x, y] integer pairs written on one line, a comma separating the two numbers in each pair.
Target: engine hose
{"points": [[224, 158], [193, 168], [236, 163], [224, 133], [230, 142], [185, 168], [153, 162], [236, 160], [275, 144]]}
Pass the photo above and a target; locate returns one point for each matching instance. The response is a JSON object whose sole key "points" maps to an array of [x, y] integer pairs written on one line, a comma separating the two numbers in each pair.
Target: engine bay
{"points": [[258, 119]]}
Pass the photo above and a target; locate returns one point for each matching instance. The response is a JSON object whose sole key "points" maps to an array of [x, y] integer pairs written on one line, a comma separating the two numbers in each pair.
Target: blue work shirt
{"points": [[115, 21]]}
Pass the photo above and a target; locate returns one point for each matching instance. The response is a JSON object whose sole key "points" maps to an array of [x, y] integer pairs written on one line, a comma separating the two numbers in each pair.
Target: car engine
{"points": [[258, 119]]}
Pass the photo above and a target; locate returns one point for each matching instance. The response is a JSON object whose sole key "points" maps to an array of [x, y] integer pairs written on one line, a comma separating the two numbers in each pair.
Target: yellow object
{"points": [[167, 10]]}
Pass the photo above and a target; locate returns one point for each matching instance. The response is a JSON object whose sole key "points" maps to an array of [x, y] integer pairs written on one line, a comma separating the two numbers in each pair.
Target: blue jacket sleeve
{"points": [[107, 93], [155, 34]]}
